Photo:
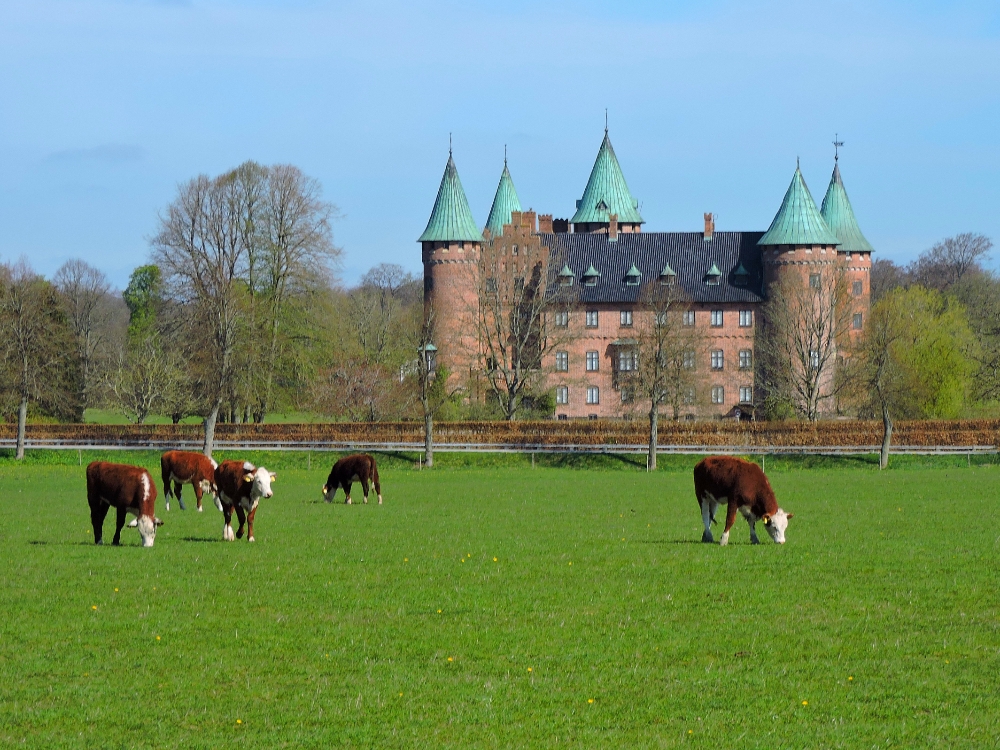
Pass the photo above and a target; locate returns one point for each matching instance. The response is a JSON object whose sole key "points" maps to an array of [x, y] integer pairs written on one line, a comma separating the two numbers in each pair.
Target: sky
{"points": [[106, 106]]}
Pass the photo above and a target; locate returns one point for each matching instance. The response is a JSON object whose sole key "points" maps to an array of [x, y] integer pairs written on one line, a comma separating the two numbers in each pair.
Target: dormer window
{"points": [[601, 205], [668, 275], [713, 277], [566, 276], [590, 276], [633, 277], [740, 276]]}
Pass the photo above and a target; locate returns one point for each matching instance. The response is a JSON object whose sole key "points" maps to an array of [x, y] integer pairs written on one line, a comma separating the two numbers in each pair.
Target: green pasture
{"points": [[490, 604]]}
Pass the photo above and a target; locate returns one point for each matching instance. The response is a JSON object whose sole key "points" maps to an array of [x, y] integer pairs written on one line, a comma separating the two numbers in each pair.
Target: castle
{"points": [[725, 276]]}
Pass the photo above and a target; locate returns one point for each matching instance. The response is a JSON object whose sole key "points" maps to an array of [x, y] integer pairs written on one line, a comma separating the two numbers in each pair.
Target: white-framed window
{"points": [[858, 288], [561, 319], [814, 359], [592, 318], [688, 318], [746, 318], [746, 394], [593, 394], [626, 318], [562, 361], [746, 359], [718, 359], [859, 321], [718, 394], [593, 361], [627, 396], [688, 360], [628, 361], [562, 395], [716, 318]]}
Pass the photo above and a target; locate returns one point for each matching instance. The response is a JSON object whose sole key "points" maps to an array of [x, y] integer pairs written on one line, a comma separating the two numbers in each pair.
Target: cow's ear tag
{"points": [[274, 477], [766, 520], [248, 477]]}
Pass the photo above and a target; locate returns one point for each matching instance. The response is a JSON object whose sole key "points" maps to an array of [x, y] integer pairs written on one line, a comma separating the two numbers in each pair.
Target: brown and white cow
{"points": [[241, 487], [184, 467], [721, 479], [359, 467], [128, 489]]}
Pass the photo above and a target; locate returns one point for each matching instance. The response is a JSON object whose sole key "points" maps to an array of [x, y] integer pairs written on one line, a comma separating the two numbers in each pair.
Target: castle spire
{"points": [[606, 192], [451, 218], [798, 221], [504, 202], [839, 216]]}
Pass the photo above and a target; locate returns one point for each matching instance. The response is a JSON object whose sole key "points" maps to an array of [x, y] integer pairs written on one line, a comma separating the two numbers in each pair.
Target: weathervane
{"points": [[449, 144], [505, 154], [837, 143], [605, 121]]}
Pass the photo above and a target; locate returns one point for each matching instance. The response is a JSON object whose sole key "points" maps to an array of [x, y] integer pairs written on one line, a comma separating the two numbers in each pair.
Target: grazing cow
{"points": [[719, 479], [241, 486], [184, 467], [129, 489], [357, 468]]}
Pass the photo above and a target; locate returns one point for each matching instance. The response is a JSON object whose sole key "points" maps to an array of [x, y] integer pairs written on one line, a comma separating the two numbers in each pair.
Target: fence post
{"points": [[532, 459]]}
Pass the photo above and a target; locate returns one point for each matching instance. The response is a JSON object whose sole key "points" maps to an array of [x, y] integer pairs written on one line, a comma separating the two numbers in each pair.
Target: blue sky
{"points": [[107, 105]]}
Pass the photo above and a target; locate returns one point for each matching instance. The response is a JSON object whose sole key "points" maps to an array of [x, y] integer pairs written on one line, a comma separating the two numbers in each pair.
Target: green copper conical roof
{"points": [[798, 221], [606, 192], [839, 216], [504, 203], [451, 219]]}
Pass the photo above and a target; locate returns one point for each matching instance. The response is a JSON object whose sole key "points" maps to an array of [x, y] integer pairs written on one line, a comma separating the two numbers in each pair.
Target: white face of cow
{"points": [[261, 479], [147, 530], [777, 524]]}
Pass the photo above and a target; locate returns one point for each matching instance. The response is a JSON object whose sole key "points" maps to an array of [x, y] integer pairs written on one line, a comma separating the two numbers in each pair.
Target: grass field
{"points": [[487, 604]]}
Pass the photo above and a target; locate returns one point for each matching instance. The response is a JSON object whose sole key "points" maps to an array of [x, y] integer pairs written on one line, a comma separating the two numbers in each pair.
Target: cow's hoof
{"points": [[99, 541], [707, 537], [181, 503], [366, 500], [166, 507], [379, 499], [347, 501], [724, 540], [200, 509], [755, 541], [239, 534], [251, 539], [116, 543]]}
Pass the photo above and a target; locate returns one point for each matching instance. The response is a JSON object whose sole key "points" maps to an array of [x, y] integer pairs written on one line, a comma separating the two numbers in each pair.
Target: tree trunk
{"points": [[653, 438], [428, 439], [22, 419], [209, 424], [883, 458]]}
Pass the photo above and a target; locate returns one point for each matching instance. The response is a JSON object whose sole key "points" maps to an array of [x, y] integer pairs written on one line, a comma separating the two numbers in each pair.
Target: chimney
{"points": [[545, 223], [613, 228], [709, 226], [528, 220]]}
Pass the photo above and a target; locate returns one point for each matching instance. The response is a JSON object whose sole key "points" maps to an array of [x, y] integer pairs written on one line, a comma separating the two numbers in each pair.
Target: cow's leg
{"points": [[119, 524], [706, 517], [178, 489], [242, 515], [752, 520], [197, 495], [347, 489], [166, 493], [730, 520], [250, 515], [364, 487], [227, 528], [98, 512]]}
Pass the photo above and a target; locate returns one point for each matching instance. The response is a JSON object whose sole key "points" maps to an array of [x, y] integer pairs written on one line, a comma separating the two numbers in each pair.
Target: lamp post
{"points": [[428, 364]]}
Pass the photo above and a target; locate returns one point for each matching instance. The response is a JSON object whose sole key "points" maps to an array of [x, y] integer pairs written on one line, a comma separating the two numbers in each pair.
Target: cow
{"points": [[359, 467], [184, 467], [720, 479], [241, 486], [129, 489]]}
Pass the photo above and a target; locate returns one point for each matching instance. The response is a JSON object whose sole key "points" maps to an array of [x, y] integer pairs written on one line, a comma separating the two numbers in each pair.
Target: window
{"points": [[814, 359], [689, 396], [593, 361], [592, 318], [593, 394], [717, 359], [627, 396], [562, 395], [746, 318], [491, 285], [626, 318], [590, 280], [815, 281], [859, 320], [858, 288], [628, 361], [688, 318], [562, 416], [562, 319], [661, 318], [718, 394], [746, 359], [519, 284], [716, 318], [562, 361], [566, 280], [688, 360], [746, 394]]}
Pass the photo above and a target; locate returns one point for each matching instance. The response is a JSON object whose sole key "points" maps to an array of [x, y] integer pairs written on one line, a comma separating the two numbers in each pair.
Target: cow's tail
{"points": [[378, 486], [165, 474]]}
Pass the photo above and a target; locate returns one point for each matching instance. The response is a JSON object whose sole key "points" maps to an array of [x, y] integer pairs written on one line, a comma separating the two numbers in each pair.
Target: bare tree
{"points": [[805, 320], [146, 380], [434, 391], [35, 346], [660, 366], [950, 260]]}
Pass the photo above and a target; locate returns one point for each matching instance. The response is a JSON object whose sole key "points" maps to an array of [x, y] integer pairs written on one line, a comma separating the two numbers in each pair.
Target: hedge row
{"points": [[833, 433]]}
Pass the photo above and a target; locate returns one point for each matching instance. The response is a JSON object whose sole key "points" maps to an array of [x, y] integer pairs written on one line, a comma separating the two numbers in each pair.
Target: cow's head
{"points": [[329, 493], [776, 525], [147, 530], [261, 479]]}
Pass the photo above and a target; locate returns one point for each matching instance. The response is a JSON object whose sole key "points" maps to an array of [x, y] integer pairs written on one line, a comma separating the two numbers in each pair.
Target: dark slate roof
{"points": [[686, 252]]}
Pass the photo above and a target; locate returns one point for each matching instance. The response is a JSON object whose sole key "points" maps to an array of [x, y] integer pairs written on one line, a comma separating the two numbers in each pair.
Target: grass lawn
{"points": [[494, 605]]}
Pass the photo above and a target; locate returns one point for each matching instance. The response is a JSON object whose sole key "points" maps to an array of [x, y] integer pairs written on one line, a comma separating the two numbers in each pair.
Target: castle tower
{"points": [[854, 251], [450, 246], [607, 197], [505, 202]]}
